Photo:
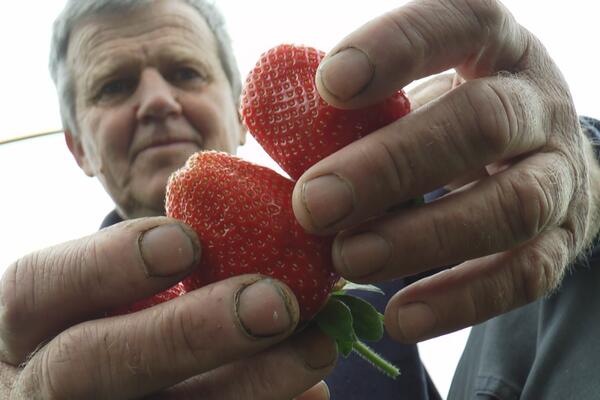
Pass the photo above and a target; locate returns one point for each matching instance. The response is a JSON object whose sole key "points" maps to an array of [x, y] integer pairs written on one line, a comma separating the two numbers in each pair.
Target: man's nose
{"points": [[157, 98]]}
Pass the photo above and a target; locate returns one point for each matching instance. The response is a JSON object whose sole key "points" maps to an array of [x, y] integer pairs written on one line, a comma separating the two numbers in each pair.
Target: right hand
{"points": [[224, 341]]}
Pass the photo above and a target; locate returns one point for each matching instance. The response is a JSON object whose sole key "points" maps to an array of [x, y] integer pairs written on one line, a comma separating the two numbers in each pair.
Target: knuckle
{"points": [[28, 384], [87, 272], [19, 304], [27, 280], [491, 296], [14, 304], [81, 361], [71, 268], [525, 205], [254, 382], [493, 117], [184, 332], [559, 106], [260, 381], [123, 360], [458, 152], [533, 271], [538, 273], [74, 363], [489, 14], [575, 229], [33, 285], [439, 234], [472, 307], [85, 265], [50, 383], [397, 169], [54, 366], [414, 27]]}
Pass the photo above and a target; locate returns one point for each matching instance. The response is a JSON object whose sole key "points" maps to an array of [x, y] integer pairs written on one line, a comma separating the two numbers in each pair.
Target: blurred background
{"points": [[45, 199]]}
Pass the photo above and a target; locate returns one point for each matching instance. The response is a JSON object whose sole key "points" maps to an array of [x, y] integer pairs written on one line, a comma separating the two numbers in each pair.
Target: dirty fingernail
{"points": [[416, 320], [168, 250], [361, 255], [319, 391], [347, 73], [266, 309], [328, 199], [315, 348]]}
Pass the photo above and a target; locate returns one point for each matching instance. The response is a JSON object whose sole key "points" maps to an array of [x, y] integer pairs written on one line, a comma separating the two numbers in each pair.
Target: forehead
{"points": [[163, 28]]}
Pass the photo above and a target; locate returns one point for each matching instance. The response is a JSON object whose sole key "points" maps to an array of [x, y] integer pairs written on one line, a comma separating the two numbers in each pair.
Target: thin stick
{"points": [[31, 135]]}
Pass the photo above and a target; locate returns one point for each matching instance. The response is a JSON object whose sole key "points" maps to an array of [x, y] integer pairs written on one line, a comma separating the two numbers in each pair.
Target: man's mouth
{"points": [[166, 145]]}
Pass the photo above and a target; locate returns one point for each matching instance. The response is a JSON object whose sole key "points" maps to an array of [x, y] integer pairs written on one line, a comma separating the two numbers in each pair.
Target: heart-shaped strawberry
{"points": [[288, 118], [243, 215]]}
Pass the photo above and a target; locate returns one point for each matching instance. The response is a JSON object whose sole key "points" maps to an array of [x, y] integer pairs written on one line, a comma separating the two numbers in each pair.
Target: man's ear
{"points": [[76, 148]]}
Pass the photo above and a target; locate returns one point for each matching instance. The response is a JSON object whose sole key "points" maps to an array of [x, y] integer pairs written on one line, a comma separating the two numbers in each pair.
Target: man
{"points": [[144, 86], [149, 84]]}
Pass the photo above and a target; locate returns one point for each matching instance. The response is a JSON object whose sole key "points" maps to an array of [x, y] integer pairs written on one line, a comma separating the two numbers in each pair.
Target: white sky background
{"points": [[45, 199]]}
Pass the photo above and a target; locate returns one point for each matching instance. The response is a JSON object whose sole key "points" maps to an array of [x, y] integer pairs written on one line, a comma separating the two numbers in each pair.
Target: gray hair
{"points": [[77, 10]]}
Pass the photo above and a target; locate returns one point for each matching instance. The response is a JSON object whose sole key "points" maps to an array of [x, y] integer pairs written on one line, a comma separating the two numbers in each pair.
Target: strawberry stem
{"points": [[347, 320], [369, 355]]}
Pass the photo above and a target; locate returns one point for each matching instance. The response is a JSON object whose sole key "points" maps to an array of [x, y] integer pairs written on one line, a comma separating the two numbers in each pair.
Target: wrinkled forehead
{"points": [[162, 26]]}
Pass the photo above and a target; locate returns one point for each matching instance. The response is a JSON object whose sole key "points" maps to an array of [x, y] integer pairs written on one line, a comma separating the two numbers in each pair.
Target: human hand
{"points": [[222, 341], [513, 227]]}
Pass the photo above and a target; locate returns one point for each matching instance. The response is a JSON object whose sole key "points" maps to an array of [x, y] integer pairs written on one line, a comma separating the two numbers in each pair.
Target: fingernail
{"points": [[347, 73], [361, 255], [168, 250], [316, 349], [416, 320], [325, 390], [319, 391], [328, 199], [265, 309]]}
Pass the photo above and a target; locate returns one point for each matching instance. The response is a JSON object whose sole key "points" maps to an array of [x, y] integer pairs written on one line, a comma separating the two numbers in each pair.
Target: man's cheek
{"points": [[207, 119]]}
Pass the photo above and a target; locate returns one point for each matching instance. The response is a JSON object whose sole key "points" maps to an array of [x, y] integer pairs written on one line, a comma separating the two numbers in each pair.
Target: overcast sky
{"points": [[45, 199]]}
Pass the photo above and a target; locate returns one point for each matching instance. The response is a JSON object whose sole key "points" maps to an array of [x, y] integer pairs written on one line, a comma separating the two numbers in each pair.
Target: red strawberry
{"points": [[284, 112], [243, 215]]}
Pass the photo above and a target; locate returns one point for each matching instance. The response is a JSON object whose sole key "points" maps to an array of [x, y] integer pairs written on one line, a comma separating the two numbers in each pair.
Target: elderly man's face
{"points": [[150, 91]]}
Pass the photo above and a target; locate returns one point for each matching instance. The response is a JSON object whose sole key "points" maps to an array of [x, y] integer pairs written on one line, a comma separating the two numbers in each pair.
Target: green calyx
{"points": [[349, 320]]}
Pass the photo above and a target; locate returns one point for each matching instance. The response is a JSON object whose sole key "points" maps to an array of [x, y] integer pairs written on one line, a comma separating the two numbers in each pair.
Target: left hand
{"points": [[507, 141], [220, 341]]}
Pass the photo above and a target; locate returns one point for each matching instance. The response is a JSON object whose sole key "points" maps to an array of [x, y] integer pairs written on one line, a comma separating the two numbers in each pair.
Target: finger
{"points": [[479, 38], [477, 123], [430, 90], [493, 215], [134, 355], [479, 289], [281, 372], [45, 292]]}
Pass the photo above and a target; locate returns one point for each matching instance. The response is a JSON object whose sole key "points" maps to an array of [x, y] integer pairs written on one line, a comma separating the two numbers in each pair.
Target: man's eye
{"points": [[117, 87], [184, 74]]}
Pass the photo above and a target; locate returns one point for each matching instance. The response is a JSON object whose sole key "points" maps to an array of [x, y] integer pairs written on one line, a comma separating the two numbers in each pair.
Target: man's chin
{"points": [[140, 211], [147, 198], [148, 184]]}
